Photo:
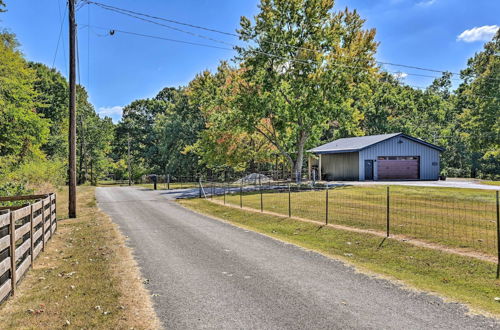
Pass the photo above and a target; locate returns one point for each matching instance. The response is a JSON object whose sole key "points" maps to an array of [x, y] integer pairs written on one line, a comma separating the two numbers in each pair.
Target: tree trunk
{"points": [[297, 167]]}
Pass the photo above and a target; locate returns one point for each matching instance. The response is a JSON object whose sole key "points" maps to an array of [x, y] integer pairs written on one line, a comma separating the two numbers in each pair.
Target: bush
{"points": [[35, 176]]}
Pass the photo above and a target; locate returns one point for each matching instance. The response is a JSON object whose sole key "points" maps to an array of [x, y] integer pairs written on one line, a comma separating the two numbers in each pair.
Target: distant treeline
{"points": [[308, 76]]}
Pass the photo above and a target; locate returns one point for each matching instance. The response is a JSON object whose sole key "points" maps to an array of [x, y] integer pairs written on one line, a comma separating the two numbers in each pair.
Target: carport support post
{"points": [[309, 166], [498, 236], [388, 213], [319, 168]]}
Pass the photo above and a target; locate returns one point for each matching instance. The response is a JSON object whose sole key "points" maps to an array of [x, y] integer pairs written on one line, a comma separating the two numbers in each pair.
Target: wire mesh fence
{"points": [[458, 218]]}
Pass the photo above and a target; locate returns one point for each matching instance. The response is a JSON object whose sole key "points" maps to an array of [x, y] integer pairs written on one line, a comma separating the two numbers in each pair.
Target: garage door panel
{"points": [[398, 169]]}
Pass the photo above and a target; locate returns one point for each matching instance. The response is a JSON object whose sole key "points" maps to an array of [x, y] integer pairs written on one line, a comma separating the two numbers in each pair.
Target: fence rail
{"points": [[24, 232], [461, 219]]}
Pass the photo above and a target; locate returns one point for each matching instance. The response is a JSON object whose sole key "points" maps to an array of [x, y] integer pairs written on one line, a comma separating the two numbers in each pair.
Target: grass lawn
{"points": [[463, 218], [86, 276], [492, 183], [460, 278]]}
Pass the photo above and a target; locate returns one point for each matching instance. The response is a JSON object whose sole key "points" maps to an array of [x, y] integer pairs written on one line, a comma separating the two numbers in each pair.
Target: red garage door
{"points": [[398, 168]]}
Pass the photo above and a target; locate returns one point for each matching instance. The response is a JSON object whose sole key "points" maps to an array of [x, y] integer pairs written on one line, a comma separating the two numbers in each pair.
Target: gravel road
{"points": [[207, 274]]}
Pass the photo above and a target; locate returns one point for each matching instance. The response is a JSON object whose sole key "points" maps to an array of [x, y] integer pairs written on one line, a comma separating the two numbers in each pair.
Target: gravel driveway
{"points": [[208, 274]]}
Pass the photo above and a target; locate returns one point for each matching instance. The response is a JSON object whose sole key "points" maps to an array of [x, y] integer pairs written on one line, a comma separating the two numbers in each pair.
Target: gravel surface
{"points": [[207, 274]]}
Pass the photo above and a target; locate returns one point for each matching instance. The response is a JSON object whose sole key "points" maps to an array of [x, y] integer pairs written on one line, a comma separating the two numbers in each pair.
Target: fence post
{"points": [[289, 202], [31, 234], [12, 252], [326, 219], [168, 181], [224, 190], [498, 236], [199, 185], [388, 213], [43, 225], [50, 222], [241, 194]]}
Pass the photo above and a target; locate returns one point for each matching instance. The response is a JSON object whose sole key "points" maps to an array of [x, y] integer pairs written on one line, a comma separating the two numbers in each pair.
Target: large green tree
{"points": [[94, 138], [479, 103], [224, 144], [306, 66], [22, 130], [177, 127], [52, 90]]}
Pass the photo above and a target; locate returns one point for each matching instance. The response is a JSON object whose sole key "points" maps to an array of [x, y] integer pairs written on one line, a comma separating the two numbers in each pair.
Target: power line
{"points": [[216, 47], [160, 38], [134, 14], [60, 33], [125, 12]]}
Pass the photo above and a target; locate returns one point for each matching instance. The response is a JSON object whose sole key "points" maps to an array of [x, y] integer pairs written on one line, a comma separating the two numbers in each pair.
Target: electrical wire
{"points": [[230, 49], [134, 14]]}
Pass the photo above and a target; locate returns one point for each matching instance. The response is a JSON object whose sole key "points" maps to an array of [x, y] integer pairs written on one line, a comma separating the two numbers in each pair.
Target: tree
{"points": [[224, 143], [22, 130], [137, 124], [176, 128], [479, 101], [94, 137], [305, 67], [52, 90]]}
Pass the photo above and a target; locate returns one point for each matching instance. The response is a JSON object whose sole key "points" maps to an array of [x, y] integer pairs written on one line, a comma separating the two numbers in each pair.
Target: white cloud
{"points": [[114, 112], [482, 33], [400, 75], [426, 3]]}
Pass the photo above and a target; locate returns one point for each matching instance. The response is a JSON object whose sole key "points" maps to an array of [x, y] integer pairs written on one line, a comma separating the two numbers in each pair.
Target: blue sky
{"points": [[439, 34]]}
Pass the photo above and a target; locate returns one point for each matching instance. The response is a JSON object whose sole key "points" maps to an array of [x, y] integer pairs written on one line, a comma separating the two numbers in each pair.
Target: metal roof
{"points": [[358, 143]]}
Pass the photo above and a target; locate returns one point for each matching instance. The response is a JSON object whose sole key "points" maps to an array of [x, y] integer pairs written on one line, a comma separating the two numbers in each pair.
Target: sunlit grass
{"points": [[464, 218]]}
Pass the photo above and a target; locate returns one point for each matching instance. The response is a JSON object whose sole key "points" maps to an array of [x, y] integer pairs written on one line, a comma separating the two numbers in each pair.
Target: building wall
{"points": [[342, 166], [429, 157]]}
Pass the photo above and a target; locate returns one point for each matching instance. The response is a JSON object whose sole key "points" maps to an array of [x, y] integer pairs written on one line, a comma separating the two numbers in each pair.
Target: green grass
{"points": [[459, 218], [460, 278], [492, 183]]}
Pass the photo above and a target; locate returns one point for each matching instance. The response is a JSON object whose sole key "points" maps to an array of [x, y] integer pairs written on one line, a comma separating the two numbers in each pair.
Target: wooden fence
{"points": [[24, 232]]}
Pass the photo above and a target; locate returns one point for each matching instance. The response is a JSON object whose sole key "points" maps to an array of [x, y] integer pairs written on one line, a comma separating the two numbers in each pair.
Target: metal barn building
{"points": [[394, 156]]}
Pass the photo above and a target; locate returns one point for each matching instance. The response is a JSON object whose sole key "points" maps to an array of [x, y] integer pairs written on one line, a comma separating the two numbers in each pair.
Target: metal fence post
{"points": [[261, 201], [388, 213], [168, 181], [326, 218], [199, 184], [224, 191], [289, 202], [241, 194], [13, 253], [498, 236]]}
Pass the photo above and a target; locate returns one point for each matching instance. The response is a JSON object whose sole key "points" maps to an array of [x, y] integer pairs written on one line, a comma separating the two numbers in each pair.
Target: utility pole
{"points": [[72, 110], [128, 162]]}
